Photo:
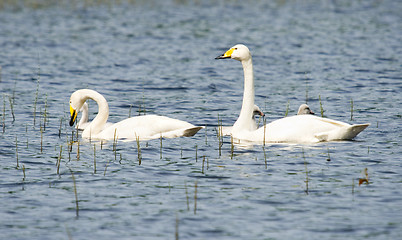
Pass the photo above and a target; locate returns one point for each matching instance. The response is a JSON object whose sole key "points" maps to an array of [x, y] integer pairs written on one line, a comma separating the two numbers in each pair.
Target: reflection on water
{"points": [[158, 57]]}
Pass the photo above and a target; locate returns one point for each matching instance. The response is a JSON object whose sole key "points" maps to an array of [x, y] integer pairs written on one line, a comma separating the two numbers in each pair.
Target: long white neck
{"points": [[244, 122], [100, 120], [84, 115]]}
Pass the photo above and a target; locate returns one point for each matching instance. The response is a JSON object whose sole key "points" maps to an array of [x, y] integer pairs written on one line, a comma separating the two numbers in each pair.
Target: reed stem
{"points": [[351, 109], [160, 150], [287, 108], [16, 151], [76, 194], [12, 108], [23, 172], [187, 197], [41, 139], [231, 147], [94, 158], [321, 108], [195, 197], [305, 166], [138, 150]]}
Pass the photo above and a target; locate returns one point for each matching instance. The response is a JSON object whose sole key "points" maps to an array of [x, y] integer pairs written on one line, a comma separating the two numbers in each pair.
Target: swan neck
{"points": [[245, 118], [101, 118]]}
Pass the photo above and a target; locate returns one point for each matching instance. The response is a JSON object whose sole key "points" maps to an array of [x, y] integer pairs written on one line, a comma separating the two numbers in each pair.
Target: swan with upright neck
{"points": [[141, 127], [295, 129]]}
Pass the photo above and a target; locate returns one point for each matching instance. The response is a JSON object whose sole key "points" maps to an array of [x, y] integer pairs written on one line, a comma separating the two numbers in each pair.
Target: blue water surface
{"points": [[157, 57]]}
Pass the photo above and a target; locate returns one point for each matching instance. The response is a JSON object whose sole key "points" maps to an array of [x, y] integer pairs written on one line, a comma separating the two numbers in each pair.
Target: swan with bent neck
{"points": [[142, 127], [83, 123], [295, 129]]}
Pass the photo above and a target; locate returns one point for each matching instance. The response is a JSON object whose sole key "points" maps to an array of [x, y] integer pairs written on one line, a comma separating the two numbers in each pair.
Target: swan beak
{"points": [[227, 54], [73, 115]]}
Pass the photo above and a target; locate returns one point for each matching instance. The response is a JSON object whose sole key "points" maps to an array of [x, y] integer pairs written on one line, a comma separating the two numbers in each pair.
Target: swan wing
{"points": [[148, 127], [307, 128]]}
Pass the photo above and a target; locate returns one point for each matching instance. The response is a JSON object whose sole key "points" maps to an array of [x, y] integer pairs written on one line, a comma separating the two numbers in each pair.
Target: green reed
{"points": [[59, 159], [4, 113], [321, 108], [265, 130], [138, 150], [23, 172], [351, 109], [203, 163], [196, 153], [287, 108], [129, 111], [220, 136], [41, 139], [78, 150], [305, 166], [265, 157], [187, 197], [36, 100], [12, 107], [160, 149], [329, 157], [76, 194], [195, 197], [306, 89], [45, 114], [16, 151], [176, 234], [61, 123], [94, 158], [231, 147]]}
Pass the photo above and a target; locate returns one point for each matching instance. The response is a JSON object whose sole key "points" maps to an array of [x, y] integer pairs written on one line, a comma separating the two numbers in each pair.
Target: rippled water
{"points": [[160, 57]]}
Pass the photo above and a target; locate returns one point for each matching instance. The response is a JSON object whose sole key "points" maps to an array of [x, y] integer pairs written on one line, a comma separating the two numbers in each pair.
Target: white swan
{"points": [[304, 109], [143, 127], [83, 123], [225, 130], [294, 129]]}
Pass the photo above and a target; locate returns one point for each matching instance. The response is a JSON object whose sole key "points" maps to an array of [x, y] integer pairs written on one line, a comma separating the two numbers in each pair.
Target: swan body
{"points": [[83, 123], [304, 109], [225, 131], [294, 129], [141, 127]]}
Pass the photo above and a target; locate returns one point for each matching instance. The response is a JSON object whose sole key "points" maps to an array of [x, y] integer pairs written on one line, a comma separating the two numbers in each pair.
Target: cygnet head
{"points": [[238, 52], [304, 109], [257, 111]]}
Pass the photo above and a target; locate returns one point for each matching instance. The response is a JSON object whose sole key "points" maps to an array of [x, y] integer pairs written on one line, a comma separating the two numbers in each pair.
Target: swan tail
{"points": [[355, 129], [345, 133], [189, 132]]}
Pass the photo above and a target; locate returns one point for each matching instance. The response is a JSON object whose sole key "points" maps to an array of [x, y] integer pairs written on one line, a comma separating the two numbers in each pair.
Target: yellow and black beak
{"points": [[73, 113], [227, 54]]}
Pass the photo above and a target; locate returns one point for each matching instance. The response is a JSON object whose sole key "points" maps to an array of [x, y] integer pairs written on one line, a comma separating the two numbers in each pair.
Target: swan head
{"points": [[304, 109], [238, 52], [77, 101]]}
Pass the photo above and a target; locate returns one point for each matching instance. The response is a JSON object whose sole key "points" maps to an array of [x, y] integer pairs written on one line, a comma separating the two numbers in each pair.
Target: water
{"points": [[160, 57]]}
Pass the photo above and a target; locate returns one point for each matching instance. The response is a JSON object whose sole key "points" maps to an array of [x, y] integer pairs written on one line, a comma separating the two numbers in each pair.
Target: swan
{"points": [[142, 127], [83, 123], [304, 109], [294, 129], [256, 112]]}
